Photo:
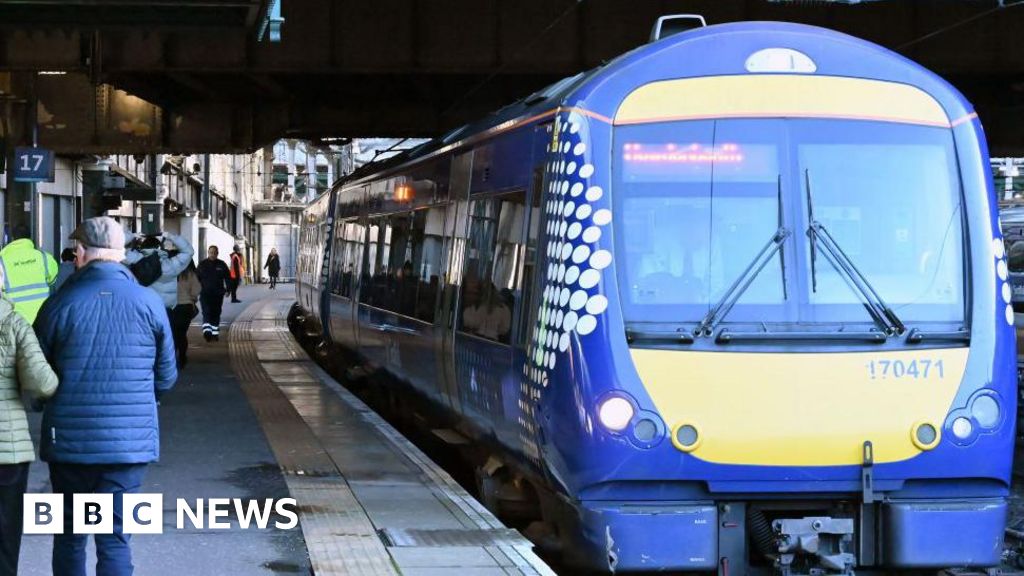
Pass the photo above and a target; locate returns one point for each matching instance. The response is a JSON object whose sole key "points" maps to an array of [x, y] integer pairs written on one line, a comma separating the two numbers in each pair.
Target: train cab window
{"points": [[889, 195], [491, 269], [697, 201]]}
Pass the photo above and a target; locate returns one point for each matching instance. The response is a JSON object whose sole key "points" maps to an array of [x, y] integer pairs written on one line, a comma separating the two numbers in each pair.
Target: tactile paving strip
{"points": [[339, 523], [414, 537], [339, 536]]}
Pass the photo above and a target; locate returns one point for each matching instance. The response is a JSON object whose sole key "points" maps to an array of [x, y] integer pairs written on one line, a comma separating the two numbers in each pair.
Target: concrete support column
{"points": [[18, 208], [268, 174], [18, 119], [189, 230], [204, 218], [311, 182], [290, 158], [201, 234]]}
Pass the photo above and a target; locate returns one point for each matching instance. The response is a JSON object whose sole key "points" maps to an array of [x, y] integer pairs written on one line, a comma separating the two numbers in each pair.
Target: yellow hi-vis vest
{"points": [[28, 275]]}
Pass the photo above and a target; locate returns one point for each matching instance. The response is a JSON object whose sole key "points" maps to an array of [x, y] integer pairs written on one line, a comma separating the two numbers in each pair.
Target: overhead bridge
{"points": [[203, 75]]}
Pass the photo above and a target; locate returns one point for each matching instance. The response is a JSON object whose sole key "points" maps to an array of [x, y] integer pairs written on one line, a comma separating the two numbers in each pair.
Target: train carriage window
{"points": [[375, 275], [1015, 256], [428, 227], [399, 289], [490, 271], [336, 258], [355, 237], [347, 251]]}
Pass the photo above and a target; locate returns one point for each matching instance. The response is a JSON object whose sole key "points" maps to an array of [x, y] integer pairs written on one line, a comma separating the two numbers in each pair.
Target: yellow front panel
{"points": [[780, 95], [800, 409]]}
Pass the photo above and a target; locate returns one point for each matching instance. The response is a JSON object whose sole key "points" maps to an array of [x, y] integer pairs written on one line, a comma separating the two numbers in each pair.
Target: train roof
{"points": [[543, 99], [728, 46]]}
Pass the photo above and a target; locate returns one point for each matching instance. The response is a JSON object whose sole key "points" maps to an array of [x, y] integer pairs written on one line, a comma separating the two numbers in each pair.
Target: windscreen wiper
{"points": [[816, 231], [782, 254], [728, 300]]}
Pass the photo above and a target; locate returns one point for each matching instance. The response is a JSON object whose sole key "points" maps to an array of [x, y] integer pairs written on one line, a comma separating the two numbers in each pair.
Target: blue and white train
{"points": [[735, 302]]}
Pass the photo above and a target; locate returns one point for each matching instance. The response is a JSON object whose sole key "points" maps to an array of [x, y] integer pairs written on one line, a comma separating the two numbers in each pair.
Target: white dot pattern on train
{"points": [[999, 251], [571, 301]]}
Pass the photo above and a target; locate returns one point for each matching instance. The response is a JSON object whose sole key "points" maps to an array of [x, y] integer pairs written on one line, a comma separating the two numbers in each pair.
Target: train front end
{"points": [[777, 279]]}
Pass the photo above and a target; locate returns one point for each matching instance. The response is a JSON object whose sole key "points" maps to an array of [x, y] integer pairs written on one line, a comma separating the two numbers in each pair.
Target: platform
{"points": [[253, 417]]}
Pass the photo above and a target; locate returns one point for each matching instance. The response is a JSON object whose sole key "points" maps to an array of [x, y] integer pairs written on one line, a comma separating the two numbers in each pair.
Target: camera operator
{"points": [[166, 286]]}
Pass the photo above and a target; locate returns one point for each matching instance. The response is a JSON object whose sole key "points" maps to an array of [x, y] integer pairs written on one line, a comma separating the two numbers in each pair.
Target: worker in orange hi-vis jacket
{"points": [[237, 270]]}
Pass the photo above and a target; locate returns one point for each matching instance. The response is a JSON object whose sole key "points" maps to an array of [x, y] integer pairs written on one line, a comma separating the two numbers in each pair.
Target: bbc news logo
{"points": [[144, 513]]}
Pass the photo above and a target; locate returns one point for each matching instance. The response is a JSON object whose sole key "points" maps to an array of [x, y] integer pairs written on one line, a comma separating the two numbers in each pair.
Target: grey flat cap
{"points": [[100, 232]]}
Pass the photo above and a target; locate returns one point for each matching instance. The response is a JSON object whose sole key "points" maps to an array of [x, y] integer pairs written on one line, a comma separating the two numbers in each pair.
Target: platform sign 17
{"points": [[32, 164]]}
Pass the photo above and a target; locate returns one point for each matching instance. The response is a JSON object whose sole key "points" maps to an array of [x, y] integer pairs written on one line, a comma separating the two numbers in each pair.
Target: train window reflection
{"points": [[491, 267], [1015, 256]]}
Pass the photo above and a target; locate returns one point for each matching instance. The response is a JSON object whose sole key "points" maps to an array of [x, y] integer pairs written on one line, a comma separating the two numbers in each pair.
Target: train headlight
{"points": [[985, 410], [686, 437], [962, 428], [615, 413]]}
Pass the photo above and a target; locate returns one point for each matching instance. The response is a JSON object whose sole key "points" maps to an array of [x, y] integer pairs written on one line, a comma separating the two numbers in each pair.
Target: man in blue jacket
{"points": [[110, 343]]}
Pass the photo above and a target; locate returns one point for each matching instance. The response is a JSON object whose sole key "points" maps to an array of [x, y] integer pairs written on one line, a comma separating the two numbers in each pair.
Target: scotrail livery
{"points": [[736, 301]]}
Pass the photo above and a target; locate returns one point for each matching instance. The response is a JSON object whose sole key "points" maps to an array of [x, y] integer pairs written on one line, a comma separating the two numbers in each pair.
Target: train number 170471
{"points": [[895, 369]]}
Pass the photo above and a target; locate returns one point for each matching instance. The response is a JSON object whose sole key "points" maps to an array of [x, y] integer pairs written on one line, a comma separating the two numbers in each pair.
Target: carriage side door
{"points": [[454, 250]]}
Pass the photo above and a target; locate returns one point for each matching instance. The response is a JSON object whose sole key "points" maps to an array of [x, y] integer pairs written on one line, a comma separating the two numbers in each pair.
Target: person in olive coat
{"points": [[23, 368]]}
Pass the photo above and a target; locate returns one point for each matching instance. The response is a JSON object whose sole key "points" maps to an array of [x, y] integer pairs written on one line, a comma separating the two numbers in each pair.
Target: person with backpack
{"points": [[215, 279], [237, 272], [142, 262]]}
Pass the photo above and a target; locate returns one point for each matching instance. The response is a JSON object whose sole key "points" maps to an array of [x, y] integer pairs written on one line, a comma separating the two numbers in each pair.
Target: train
{"points": [[734, 302]]}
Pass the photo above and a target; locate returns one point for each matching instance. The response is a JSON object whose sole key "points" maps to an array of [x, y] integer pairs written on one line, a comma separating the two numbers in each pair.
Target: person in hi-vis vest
{"points": [[29, 275], [237, 271]]}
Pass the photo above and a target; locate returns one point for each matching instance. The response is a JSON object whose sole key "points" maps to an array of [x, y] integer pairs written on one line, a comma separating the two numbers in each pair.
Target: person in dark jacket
{"points": [[110, 344], [273, 267], [65, 269], [215, 279]]}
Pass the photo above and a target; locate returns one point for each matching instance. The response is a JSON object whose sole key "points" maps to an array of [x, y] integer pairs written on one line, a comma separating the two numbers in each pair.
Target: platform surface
{"points": [[253, 417]]}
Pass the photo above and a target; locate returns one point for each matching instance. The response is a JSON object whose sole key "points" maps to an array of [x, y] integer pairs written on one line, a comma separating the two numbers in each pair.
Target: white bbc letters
{"points": [[44, 514], [219, 508], [93, 514], [143, 513]]}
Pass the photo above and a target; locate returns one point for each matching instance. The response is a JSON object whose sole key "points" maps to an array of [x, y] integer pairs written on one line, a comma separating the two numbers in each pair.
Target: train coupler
{"points": [[814, 546]]}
